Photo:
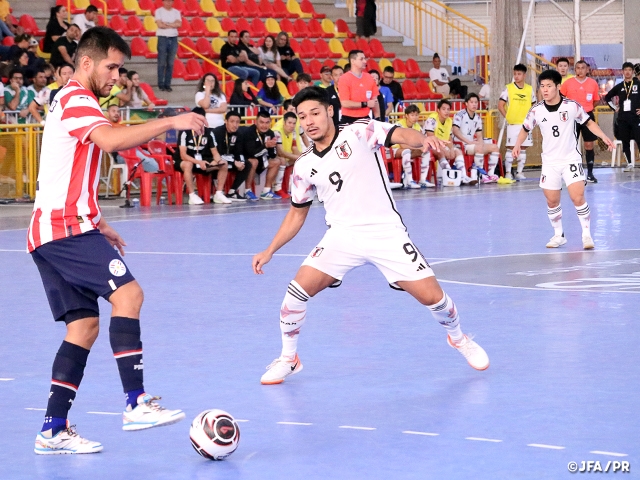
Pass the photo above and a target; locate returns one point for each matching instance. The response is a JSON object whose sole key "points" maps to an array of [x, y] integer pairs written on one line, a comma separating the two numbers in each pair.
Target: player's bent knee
{"points": [[83, 332], [128, 299]]}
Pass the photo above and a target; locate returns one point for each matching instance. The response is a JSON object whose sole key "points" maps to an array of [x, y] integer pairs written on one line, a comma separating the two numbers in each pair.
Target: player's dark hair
{"points": [[122, 71], [389, 69], [199, 111], [520, 68], [581, 62], [263, 114], [65, 64], [232, 113], [303, 77], [289, 115], [411, 109], [336, 67], [286, 104], [243, 32], [627, 65], [563, 59], [96, 43], [552, 75], [91, 9], [14, 71], [354, 53], [442, 102], [435, 55], [316, 94], [231, 31], [470, 96]]}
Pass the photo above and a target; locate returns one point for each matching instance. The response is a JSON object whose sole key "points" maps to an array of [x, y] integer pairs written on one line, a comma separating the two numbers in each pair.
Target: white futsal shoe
{"points": [[556, 241], [149, 414], [65, 442], [473, 352], [587, 242], [194, 199], [280, 369]]}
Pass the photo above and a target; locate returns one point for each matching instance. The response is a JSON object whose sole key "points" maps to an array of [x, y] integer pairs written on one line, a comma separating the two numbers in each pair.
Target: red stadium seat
{"points": [[152, 96], [400, 67], [342, 27], [203, 47], [323, 50], [295, 46], [280, 10], [258, 29], [424, 91], [8, 41], [147, 5], [292, 87], [307, 49], [348, 45], [114, 7], [185, 29], [409, 90], [363, 45], [328, 63], [413, 70], [372, 65], [300, 29], [194, 70], [236, 9], [227, 24], [228, 89], [133, 26], [307, 7], [378, 50], [222, 6], [316, 31], [139, 47], [194, 6], [314, 69], [286, 26], [242, 24], [183, 52], [266, 9], [252, 9], [199, 28], [211, 68], [178, 69]]}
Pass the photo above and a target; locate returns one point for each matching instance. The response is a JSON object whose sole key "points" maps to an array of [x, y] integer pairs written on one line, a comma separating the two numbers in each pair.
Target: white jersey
{"points": [[67, 190], [350, 178], [468, 126], [559, 127]]}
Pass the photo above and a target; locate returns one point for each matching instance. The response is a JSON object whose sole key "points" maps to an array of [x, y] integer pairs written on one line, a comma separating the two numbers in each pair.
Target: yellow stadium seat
{"points": [[294, 7], [213, 25], [149, 24], [342, 62], [152, 44], [217, 44], [41, 54], [273, 27], [328, 27], [282, 88], [384, 62], [209, 6], [335, 46], [133, 5], [81, 4]]}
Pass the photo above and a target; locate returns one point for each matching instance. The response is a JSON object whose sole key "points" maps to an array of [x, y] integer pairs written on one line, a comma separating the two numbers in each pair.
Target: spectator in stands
{"points": [[20, 61], [269, 95], [334, 98], [358, 90], [64, 49], [227, 140], [325, 77], [120, 93], [485, 91], [252, 58], [406, 153], [139, 98], [35, 61], [41, 97], [5, 11], [198, 154], [286, 148], [86, 20], [168, 20], [56, 27], [395, 87], [63, 74], [20, 44], [210, 97], [288, 60], [385, 98], [365, 19], [242, 96], [258, 147], [270, 57], [563, 68], [303, 80], [50, 71], [233, 58], [287, 106], [16, 96], [441, 80]]}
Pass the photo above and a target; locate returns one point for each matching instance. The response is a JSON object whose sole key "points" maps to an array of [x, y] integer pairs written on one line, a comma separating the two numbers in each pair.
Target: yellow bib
{"points": [[564, 79], [403, 124], [519, 103], [442, 130]]}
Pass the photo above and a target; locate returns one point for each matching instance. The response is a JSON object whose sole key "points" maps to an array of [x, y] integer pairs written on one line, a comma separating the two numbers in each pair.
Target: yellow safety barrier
{"points": [[19, 154]]}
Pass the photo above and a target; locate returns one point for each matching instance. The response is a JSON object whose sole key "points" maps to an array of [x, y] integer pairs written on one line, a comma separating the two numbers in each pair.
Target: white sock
{"points": [[494, 158], [278, 183], [406, 166], [459, 163], [508, 162], [266, 190], [478, 160], [446, 313], [292, 315], [424, 166], [555, 217], [522, 158], [584, 214]]}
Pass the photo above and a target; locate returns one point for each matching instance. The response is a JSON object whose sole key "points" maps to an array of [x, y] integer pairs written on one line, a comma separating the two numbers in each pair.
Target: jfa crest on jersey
{"points": [[355, 193], [559, 127]]}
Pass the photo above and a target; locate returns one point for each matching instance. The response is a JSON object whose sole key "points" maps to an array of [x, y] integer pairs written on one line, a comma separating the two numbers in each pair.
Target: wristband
{"points": [[363, 104]]}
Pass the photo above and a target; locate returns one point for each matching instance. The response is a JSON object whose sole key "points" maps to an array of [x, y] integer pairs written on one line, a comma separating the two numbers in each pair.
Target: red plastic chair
{"points": [[378, 50], [373, 65], [147, 5], [266, 9], [222, 6], [183, 52], [409, 89], [211, 68], [194, 70], [194, 6], [8, 41], [139, 47], [348, 44], [424, 92], [159, 102], [323, 50], [314, 68], [280, 10], [413, 69], [399, 66], [396, 164], [115, 7], [227, 24], [185, 28], [328, 63], [146, 179], [117, 24], [242, 24], [134, 27], [199, 28], [307, 49], [300, 29], [292, 87], [252, 10], [203, 47], [363, 45], [236, 9], [29, 25], [316, 31], [295, 46], [307, 7], [286, 26], [258, 29], [342, 27], [179, 71]]}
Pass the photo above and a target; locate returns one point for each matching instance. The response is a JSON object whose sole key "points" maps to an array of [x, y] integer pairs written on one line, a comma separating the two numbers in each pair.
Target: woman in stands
{"points": [[139, 98], [242, 96], [269, 95], [270, 57], [210, 97], [56, 27]]}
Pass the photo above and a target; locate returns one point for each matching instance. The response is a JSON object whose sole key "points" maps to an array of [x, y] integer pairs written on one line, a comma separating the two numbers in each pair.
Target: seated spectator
{"points": [[485, 92], [303, 80], [242, 95], [7, 29], [35, 61], [139, 99], [20, 44], [442, 84], [410, 120], [41, 95], [86, 20], [385, 98], [334, 97], [258, 147], [56, 27], [391, 84], [20, 61], [16, 96], [325, 77], [287, 149], [288, 60], [120, 93], [210, 97], [149, 163], [63, 74], [64, 49], [227, 140], [198, 154], [233, 58], [252, 57], [269, 95], [270, 57]]}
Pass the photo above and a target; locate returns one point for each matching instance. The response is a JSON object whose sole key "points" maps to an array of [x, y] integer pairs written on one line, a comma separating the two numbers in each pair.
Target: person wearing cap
{"points": [[120, 93], [86, 20], [269, 95], [325, 77]]}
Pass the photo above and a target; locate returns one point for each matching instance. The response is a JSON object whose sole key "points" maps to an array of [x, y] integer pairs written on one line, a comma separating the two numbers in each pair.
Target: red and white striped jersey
{"points": [[67, 190]]}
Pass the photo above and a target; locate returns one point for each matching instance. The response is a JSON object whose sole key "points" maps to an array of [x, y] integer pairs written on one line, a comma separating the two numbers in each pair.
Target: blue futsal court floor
{"points": [[382, 395]]}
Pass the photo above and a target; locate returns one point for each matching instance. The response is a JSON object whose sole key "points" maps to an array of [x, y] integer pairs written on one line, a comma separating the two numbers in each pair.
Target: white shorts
{"points": [[512, 136], [391, 251], [552, 176]]}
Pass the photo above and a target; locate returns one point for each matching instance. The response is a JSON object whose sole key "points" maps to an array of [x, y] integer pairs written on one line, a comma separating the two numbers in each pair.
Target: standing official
{"points": [[358, 90]]}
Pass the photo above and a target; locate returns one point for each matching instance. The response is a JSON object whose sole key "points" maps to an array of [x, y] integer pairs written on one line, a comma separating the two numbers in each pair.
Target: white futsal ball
{"points": [[214, 434]]}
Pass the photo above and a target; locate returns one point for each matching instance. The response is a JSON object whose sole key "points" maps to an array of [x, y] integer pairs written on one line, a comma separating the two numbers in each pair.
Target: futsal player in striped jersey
{"points": [[345, 169], [74, 248]]}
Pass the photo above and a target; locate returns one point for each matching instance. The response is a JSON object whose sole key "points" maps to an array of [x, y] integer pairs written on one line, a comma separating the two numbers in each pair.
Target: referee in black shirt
{"points": [[628, 93]]}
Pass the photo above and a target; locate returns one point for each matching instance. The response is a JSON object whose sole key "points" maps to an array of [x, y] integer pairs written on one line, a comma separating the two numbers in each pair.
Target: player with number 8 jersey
{"points": [[345, 169]]}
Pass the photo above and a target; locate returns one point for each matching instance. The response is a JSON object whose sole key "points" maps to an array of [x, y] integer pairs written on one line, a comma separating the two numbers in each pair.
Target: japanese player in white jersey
{"points": [[344, 168], [73, 246], [559, 119]]}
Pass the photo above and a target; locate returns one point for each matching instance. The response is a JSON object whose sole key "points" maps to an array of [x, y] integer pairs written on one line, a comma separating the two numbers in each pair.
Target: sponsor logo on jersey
{"points": [[343, 150], [117, 268], [317, 252], [564, 116], [543, 178], [313, 172], [544, 120], [634, 88]]}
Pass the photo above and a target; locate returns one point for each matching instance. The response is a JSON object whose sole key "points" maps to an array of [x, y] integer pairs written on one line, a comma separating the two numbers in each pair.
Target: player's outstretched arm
{"points": [[522, 136], [289, 228], [114, 140], [415, 139], [596, 130]]}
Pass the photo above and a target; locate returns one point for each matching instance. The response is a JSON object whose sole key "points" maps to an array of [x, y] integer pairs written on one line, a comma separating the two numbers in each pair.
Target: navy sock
{"points": [[124, 335], [66, 375]]}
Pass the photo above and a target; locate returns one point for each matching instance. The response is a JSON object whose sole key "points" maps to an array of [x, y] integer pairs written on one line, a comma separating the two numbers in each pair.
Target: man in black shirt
{"points": [[234, 59], [64, 49], [227, 139], [628, 108], [334, 98], [198, 154], [395, 87], [258, 147], [288, 60]]}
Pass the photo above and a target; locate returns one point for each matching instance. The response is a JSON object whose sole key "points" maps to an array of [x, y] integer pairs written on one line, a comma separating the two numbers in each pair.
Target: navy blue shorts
{"points": [[76, 270]]}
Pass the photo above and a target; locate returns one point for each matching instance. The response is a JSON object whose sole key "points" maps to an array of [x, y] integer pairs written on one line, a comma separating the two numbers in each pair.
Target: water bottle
{"points": [[135, 202]]}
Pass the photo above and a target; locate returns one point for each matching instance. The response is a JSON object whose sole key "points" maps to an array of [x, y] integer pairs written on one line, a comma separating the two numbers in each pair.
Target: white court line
{"points": [[106, 413], [202, 254], [240, 421], [613, 454], [542, 445], [357, 428], [6, 379], [427, 434], [294, 423], [37, 409], [480, 439]]}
